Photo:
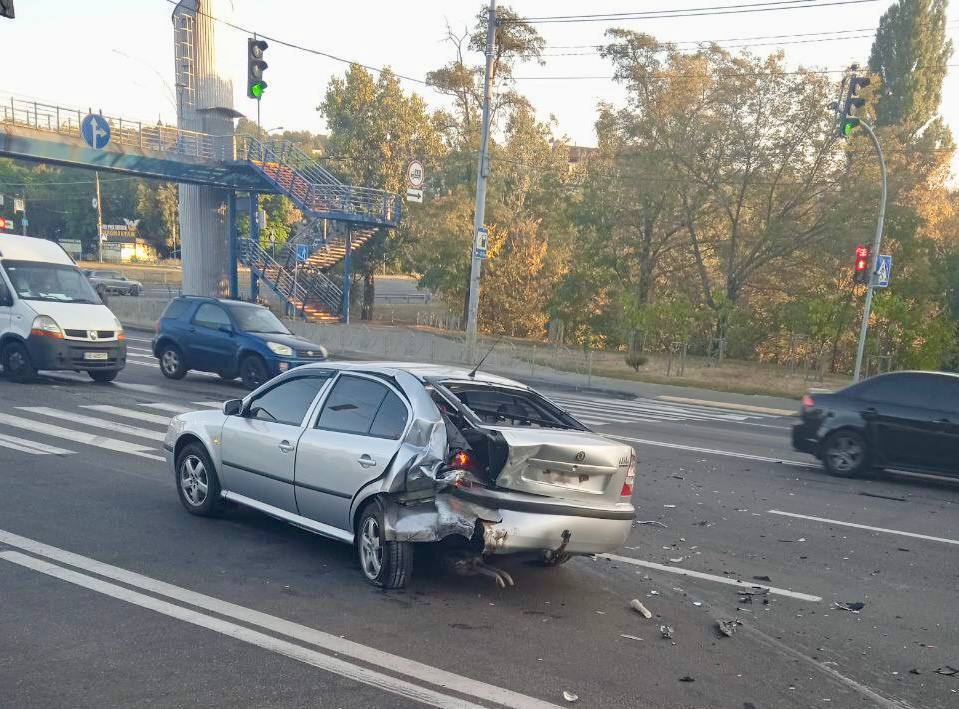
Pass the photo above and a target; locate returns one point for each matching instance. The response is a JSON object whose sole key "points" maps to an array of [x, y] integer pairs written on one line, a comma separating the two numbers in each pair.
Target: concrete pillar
{"points": [[205, 104]]}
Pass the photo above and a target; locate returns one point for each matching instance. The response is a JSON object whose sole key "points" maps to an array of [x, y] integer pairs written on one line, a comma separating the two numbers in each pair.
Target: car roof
{"points": [[29, 248], [222, 301], [422, 371], [951, 375]]}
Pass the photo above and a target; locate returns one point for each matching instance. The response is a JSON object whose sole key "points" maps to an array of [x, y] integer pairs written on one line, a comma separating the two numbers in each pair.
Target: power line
{"points": [[707, 76], [664, 45], [308, 50], [727, 39], [705, 11]]}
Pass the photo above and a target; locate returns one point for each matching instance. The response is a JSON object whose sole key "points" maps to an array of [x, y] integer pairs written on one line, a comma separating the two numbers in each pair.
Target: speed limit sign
{"points": [[415, 175]]}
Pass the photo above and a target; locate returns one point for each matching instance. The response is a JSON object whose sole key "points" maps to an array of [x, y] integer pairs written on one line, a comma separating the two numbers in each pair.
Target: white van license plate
{"points": [[95, 355]]}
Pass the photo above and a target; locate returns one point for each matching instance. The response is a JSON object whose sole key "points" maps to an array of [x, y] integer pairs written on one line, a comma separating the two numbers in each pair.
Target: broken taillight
{"points": [[461, 460], [807, 402], [627, 490]]}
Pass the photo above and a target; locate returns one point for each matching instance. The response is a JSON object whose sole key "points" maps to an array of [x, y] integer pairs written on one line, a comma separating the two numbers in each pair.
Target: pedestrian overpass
{"points": [[52, 134]]}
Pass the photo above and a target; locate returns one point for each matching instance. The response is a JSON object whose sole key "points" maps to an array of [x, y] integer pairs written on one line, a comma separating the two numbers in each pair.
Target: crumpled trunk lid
{"points": [[572, 465]]}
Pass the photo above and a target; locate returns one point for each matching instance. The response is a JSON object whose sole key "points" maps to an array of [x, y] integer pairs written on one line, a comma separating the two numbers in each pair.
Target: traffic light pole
{"points": [[482, 172], [873, 257]]}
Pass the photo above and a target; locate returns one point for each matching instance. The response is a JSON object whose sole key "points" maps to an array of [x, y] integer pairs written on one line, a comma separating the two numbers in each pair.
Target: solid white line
{"points": [[715, 451], [129, 413], [914, 535], [301, 633], [709, 577], [70, 417], [25, 446], [238, 632], [89, 439]]}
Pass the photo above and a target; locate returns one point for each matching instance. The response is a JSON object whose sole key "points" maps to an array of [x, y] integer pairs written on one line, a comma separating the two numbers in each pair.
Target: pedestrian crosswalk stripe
{"points": [[69, 417], [602, 411], [89, 439], [25, 446], [174, 408], [128, 413], [210, 404], [139, 350]]}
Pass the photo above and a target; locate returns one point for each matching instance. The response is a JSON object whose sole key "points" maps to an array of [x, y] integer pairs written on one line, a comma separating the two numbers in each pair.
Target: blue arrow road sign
{"points": [[883, 271], [302, 252], [96, 131]]}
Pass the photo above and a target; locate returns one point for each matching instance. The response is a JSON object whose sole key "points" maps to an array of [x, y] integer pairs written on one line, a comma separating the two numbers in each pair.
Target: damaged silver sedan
{"points": [[385, 456]]}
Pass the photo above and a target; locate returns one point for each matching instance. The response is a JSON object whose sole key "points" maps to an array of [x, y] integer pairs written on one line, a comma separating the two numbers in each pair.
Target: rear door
{"points": [[210, 343], [902, 418], [259, 447], [352, 442], [947, 405]]}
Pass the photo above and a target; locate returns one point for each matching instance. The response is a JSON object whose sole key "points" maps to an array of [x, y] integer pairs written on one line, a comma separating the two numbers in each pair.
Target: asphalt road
{"points": [[113, 596]]}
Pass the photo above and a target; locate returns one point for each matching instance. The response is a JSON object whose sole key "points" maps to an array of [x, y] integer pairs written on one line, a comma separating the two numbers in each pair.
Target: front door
{"points": [[258, 448], [210, 342], [6, 305], [356, 435], [900, 410]]}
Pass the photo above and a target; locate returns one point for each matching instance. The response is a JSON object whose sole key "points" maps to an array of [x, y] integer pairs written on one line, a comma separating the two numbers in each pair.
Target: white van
{"points": [[50, 315]]}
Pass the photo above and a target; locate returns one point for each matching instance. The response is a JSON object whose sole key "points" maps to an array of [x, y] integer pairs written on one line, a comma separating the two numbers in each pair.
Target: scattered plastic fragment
{"points": [[948, 671], [762, 578], [640, 608], [666, 631], [793, 541], [851, 607], [884, 497], [915, 671], [629, 637], [570, 697], [651, 522], [669, 506], [686, 678], [677, 559], [728, 627]]}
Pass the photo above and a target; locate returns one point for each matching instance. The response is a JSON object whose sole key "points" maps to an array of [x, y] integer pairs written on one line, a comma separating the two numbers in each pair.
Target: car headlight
{"points": [[282, 350], [45, 326], [119, 329]]}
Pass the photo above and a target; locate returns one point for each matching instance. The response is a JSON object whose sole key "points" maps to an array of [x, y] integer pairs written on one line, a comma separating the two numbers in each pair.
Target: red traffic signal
{"points": [[861, 265], [6, 224]]}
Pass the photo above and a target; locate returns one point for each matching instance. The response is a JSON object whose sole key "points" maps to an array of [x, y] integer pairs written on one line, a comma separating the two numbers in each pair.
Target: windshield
{"points": [[252, 318], [34, 280], [501, 406]]}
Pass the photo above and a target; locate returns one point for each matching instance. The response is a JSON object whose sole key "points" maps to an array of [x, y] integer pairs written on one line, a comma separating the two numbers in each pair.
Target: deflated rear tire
{"points": [[384, 564]]}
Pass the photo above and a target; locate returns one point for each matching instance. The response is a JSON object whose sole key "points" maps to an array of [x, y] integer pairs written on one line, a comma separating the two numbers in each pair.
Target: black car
{"points": [[904, 420]]}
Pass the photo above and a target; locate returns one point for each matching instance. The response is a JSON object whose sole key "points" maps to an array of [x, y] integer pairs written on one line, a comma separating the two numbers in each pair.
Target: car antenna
{"points": [[472, 375]]}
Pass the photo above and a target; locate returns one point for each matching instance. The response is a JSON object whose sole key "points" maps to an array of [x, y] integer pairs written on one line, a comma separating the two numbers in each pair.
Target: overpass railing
{"points": [[123, 131]]}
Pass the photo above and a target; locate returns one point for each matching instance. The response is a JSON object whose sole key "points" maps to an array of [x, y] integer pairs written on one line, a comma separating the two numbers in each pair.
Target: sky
{"points": [[117, 55]]}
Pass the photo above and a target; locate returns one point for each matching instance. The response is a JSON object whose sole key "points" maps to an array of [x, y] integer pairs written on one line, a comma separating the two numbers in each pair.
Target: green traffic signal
{"points": [[848, 125], [257, 89]]}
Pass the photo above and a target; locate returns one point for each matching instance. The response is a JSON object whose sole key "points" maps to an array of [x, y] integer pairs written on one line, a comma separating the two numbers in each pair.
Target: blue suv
{"points": [[229, 337]]}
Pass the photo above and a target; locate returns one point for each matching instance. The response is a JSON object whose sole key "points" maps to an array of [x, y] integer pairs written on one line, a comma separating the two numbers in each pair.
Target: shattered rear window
{"points": [[501, 406]]}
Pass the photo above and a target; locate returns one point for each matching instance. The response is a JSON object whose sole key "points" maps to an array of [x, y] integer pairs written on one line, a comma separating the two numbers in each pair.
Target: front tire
{"points": [[252, 371], [171, 362], [102, 376], [384, 564], [845, 454], [17, 363], [197, 484]]}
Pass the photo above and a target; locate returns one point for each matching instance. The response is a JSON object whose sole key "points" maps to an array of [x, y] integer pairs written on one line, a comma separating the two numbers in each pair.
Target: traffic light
{"points": [[860, 269], [6, 8], [848, 122], [255, 66]]}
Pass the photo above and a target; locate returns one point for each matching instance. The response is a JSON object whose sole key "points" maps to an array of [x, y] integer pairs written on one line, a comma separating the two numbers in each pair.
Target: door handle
{"points": [[286, 447], [366, 461]]}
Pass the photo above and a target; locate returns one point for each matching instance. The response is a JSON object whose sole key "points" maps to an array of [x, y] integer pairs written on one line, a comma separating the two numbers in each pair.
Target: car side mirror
{"points": [[233, 407]]}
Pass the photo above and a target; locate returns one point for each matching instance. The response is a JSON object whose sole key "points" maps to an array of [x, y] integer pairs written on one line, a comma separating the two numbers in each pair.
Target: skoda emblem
{"points": [[93, 334], [581, 456]]}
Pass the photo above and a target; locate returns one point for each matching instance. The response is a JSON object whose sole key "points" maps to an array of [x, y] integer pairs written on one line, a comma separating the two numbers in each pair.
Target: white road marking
{"points": [[70, 417], [175, 408], [210, 404], [710, 577], [138, 339], [716, 451], [326, 641], [140, 351], [726, 405], [129, 413], [867, 527], [238, 632], [25, 446], [89, 439]]}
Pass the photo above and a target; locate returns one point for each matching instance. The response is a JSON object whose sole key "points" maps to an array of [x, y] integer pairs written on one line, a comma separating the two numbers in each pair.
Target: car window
{"points": [[946, 397], [352, 405], [176, 308], [390, 419], [288, 401], [905, 389], [212, 316], [510, 407]]}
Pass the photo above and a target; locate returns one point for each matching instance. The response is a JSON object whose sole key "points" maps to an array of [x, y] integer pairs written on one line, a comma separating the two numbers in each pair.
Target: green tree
{"points": [[910, 53], [158, 210]]}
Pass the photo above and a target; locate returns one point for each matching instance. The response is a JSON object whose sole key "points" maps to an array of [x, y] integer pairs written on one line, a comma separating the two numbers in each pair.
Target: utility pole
{"points": [[874, 256], [482, 172], [99, 220]]}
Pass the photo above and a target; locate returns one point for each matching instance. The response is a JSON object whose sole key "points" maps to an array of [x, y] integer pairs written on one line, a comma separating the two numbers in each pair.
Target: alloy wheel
{"points": [[194, 481], [170, 361], [371, 548], [845, 454]]}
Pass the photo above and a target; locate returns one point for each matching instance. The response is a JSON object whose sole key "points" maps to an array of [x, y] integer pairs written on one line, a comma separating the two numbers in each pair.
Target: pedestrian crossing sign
{"points": [[883, 271]]}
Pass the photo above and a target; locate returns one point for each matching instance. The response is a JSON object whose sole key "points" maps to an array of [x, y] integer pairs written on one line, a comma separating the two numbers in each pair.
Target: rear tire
{"points": [[102, 376], [252, 371], [845, 454], [17, 364], [384, 564], [197, 484], [171, 362]]}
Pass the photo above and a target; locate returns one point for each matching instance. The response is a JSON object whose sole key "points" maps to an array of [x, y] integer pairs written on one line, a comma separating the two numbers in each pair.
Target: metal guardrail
{"points": [[123, 131]]}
